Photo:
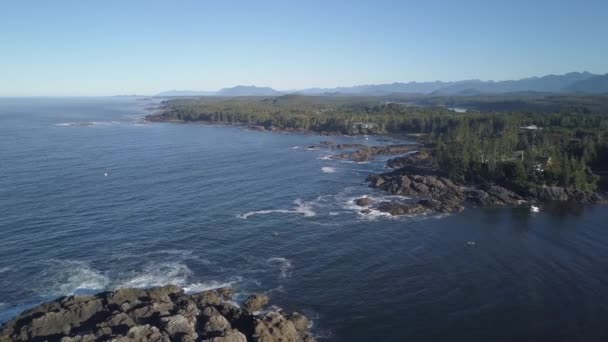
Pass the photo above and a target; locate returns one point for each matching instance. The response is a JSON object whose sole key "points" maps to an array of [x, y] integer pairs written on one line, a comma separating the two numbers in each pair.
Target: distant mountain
{"points": [[185, 93], [248, 91], [595, 85], [571, 82], [547, 84]]}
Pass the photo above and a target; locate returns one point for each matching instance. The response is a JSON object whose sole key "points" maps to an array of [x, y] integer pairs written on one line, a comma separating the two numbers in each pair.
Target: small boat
{"points": [[534, 209]]}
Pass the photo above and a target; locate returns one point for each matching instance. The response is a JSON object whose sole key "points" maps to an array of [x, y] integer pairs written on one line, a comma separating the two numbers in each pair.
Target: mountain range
{"points": [[574, 82]]}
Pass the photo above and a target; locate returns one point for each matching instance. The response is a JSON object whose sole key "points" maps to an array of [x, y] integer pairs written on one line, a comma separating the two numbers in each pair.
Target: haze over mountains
{"points": [[574, 82]]}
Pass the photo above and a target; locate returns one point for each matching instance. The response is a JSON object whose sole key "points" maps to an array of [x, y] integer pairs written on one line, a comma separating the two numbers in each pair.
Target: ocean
{"points": [[92, 198]]}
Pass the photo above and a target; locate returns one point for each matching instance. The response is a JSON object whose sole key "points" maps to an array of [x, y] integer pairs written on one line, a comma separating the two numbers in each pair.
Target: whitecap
{"points": [[327, 169], [158, 275], [302, 207], [210, 285], [295, 147], [4, 269], [282, 263], [73, 277], [327, 157]]}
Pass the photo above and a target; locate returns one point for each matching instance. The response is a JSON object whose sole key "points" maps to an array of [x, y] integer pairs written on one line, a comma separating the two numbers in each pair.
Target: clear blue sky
{"points": [[119, 47]]}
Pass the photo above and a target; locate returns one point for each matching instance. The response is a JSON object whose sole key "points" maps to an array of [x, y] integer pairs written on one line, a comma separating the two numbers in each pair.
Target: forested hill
{"points": [[541, 140]]}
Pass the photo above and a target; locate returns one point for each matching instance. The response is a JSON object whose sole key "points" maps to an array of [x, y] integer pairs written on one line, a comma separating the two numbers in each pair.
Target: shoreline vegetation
{"points": [[512, 150], [158, 314]]}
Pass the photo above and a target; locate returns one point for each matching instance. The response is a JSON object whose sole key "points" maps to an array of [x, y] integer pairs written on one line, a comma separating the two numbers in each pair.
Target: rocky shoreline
{"points": [[157, 314], [416, 177]]}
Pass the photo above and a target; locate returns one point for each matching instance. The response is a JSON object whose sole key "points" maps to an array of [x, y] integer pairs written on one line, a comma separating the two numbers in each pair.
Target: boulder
{"points": [[179, 328], [231, 335], [274, 327], [255, 302], [364, 201]]}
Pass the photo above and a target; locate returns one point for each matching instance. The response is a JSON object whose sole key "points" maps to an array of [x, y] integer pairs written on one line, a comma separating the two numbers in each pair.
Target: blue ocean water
{"points": [[92, 198]]}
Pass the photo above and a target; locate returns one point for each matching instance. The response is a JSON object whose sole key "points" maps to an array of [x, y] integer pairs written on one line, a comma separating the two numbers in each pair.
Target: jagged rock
{"points": [[493, 195], [149, 310], [368, 153], [158, 314], [228, 336], [394, 208], [78, 338], [226, 293], [364, 201], [255, 302], [207, 298], [164, 293], [179, 328], [118, 323], [216, 324], [143, 333], [274, 327], [438, 193], [366, 211], [556, 193], [70, 312]]}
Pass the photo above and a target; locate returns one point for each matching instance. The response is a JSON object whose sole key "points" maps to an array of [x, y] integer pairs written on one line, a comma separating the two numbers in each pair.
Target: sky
{"points": [[82, 48]]}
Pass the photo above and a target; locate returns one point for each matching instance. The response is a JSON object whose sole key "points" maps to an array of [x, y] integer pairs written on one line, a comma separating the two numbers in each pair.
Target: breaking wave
{"points": [[327, 169], [301, 207]]}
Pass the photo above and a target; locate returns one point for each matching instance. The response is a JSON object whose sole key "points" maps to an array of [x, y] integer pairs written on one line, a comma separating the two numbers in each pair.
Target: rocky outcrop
{"points": [[368, 153], [158, 314], [493, 196], [364, 201], [556, 193], [419, 162]]}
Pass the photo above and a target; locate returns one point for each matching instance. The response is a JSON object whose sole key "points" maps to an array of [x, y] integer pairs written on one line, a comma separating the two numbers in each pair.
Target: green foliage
{"points": [[488, 146]]}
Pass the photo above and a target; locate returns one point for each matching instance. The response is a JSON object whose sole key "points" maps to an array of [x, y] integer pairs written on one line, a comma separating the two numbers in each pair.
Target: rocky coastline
{"points": [[157, 314], [416, 177]]}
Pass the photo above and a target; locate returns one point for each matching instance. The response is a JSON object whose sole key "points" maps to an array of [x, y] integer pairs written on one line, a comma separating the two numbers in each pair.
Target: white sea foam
{"points": [[327, 169], [158, 274], [327, 157], [70, 277], [295, 147], [210, 285], [4, 269], [283, 264], [302, 207], [88, 123]]}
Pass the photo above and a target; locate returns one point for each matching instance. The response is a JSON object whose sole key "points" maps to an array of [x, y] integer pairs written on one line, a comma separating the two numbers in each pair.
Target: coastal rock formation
{"points": [[157, 314], [556, 193], [493, 196], [364, 201], [368, 153]]}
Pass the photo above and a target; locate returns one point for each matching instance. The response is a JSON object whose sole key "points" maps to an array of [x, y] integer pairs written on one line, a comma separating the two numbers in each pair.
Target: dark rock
{"points": [[366, 211], [395, 209], [364, 201], [492, 196], [157, 314], [555, 193], [368, 153]]}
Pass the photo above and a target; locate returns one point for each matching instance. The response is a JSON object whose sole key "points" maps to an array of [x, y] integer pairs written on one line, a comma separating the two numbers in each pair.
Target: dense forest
{"points": [[515, 141]]}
